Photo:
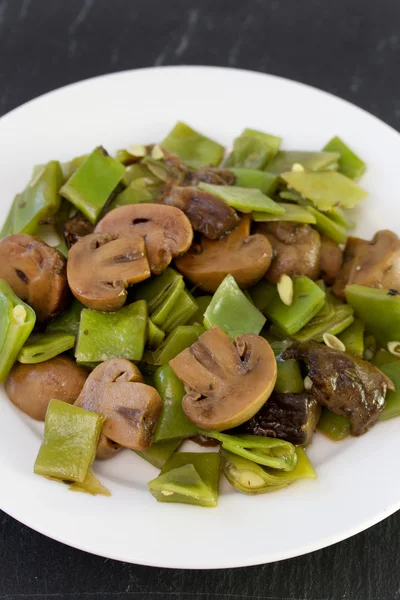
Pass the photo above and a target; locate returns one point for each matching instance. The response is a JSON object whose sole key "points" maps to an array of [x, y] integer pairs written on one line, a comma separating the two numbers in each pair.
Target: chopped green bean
{"points": [[193, 148], [244, 199], [349, 163], [293, 212], [44, 346]]}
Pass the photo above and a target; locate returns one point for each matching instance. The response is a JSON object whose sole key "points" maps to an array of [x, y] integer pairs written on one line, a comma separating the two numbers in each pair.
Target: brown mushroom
{"points": [[131, 408], [374, 264], [76, 228], [208, 214], [101, 267], [226, 382], [36, 272], [344, 383], [166, 230], [331, 259], [31, 387], [296, 249], [246, 257]]}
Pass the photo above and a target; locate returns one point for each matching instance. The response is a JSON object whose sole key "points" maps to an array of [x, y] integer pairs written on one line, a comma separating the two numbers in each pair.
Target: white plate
{"points": [[356, 485]]}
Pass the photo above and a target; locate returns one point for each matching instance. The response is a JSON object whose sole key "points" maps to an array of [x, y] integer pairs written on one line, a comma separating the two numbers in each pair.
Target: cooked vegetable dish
{"points": [[203, 295]]}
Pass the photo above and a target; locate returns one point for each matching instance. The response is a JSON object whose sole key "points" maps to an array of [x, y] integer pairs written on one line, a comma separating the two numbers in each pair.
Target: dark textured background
{"points": [[348, 47]]}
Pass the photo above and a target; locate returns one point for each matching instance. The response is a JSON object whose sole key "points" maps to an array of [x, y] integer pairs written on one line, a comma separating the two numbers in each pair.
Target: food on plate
{"points": [[199, 297]]}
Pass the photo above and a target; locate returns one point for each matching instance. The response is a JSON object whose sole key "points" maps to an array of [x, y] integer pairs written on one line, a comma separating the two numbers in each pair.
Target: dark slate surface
{"points": [[348, 47]]}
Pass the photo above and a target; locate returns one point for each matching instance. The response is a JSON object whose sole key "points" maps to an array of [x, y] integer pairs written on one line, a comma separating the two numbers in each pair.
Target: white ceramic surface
{"points": [[356, 485]]}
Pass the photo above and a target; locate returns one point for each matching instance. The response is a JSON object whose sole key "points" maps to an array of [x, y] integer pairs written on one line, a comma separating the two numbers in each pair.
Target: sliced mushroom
{"points": [[344, 383], [166, 230], [36, 272], [208, 214], [101, 267], [246, 257], [106, 448], [76, 228], [331, 259], [296, 249], [226, 382], [374, 264], [31, 387], [131, 409], [290, 417]]}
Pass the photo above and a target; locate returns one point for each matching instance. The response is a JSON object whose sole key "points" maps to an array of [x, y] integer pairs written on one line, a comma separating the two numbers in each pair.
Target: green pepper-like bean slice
{"points": [[92, 184], [180, 338], [121, 334], [44, 346], [253, 149], [308, 299], [91, 486], [183, 310], [17, 320], [310, 161], [326, 189], [232, 311], [159, 453], [71, 435], [353, 338], [68, 321], [378, 309], [203, 303], [250, 478], [189, 478], [155, 335], [270, 452], [193, 148], [289, 379], [262, 294], [173, 423], [244, 199], [266, 182], [327, 226], [349, 163], [390, 365], [161, 293], [293, 212]]}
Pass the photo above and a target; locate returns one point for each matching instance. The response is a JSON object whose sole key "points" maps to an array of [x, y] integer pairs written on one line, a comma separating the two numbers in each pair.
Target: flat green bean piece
{"points": [[17, 320], [159, 453], [289, 379], [244, 199], [68, 321], [252, 149], [335, 427], [91, 485], [353, 338], [132, 195], [103, 336], [190, 478], [193, 148], [180, 338], [332, 318], [39, 201], [326, 189], [308, 299], [262, 294], [340, 217], [327, 227], [293, 212], [349, 163], [183, 310], [269, 452], [71, 435], [266, 182], [161, 293], [69, 168], [137, 171], [202, 302], [155, 335], [390, 365], [173, 423], [378, 309], [250, 478], [310, 161], [44, 346], [232, 311], [92, 184]]}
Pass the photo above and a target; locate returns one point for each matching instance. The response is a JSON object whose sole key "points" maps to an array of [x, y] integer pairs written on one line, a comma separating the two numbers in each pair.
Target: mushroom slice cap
{"points": [[226, 382], [31, 387], [373, 264], [166, 230], [101, 267], [208, 214], [36, 272], [130, 407], [296, 248], [246, 257]]}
